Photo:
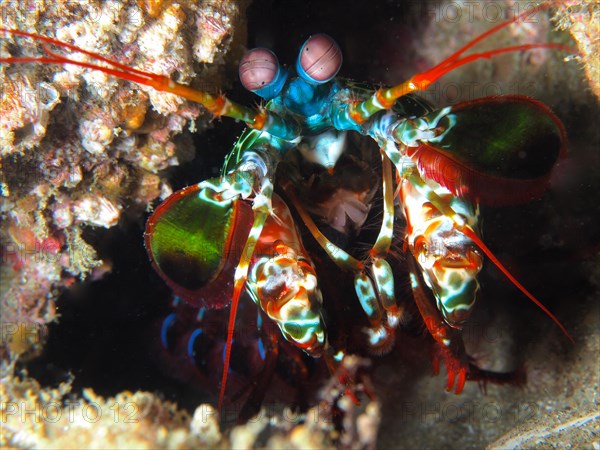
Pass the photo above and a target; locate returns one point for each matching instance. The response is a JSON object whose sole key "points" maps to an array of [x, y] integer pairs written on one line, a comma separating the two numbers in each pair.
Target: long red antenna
{"points": [[241, 275], [218, 105], [479, 243], [447, 210], [385, 98]]}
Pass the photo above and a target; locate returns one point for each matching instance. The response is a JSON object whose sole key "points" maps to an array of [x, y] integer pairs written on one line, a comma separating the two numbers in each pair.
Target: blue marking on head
{"points": [[273, 89], [305, 98]]}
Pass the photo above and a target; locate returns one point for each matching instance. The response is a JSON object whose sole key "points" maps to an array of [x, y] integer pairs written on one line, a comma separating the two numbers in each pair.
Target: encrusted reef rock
{"points": [[582, 20], [78, 147], [36, 417]]}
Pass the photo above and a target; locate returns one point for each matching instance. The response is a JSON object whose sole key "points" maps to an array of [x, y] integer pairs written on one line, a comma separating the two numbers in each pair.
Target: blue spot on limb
{"points": [[164, 329], [192, 341]]}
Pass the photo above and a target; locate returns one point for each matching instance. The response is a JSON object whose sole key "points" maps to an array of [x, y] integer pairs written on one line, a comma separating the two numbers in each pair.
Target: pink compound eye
{"points": [[320, 59], [258, 68]]}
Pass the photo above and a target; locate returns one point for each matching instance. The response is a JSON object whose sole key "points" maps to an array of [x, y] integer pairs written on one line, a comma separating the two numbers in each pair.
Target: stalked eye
{"points": [[320, 59], [258, 68], [261, 73]]}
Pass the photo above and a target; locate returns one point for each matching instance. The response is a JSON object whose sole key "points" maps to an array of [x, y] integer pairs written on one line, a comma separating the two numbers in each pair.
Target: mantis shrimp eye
{"points": [[261, 73], [319, 60]]}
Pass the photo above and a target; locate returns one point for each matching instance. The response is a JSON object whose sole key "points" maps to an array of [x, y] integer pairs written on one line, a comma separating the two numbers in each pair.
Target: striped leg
{"points": [[374, 281], [283, 283]]}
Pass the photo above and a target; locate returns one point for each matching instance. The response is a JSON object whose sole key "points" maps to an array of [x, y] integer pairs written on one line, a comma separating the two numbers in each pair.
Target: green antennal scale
{"points": [[196, 254]]}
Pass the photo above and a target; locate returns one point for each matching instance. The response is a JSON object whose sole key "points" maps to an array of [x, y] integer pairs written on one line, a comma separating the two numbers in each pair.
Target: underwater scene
{"points": [[266, 224]]}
